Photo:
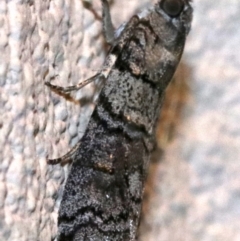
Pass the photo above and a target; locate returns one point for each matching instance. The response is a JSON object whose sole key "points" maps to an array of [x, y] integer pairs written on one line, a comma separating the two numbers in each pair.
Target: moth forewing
{"points": [[103, 192]]}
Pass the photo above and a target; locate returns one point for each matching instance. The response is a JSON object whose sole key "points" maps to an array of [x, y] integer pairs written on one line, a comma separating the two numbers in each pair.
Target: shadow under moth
{"points": [[103, 192]]}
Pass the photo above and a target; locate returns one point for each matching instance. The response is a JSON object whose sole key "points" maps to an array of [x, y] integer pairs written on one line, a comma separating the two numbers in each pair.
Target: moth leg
{"points": [[73, 87], [108, 29], [67, 158]]}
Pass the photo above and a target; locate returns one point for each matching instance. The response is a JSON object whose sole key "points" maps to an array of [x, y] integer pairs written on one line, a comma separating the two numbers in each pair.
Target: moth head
{"points": [[178, 12]]}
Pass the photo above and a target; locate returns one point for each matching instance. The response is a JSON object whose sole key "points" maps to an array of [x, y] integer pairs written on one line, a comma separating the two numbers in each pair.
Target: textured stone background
{"points": [[193, 192], [55, 40]]}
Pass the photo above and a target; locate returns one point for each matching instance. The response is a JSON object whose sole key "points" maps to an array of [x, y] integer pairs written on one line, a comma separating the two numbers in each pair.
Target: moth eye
{"points": [[173, 8]]}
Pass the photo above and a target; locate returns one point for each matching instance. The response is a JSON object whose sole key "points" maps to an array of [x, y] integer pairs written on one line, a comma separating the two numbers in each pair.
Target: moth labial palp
{"points": [[103, 192]]}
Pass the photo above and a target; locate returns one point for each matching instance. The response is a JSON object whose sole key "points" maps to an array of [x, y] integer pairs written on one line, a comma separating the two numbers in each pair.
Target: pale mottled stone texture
{"points": [[193, 192], [40, 40]]}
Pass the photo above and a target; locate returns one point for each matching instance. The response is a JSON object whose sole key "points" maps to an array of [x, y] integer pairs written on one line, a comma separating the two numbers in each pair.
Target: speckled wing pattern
{"points": [[103, 192]]}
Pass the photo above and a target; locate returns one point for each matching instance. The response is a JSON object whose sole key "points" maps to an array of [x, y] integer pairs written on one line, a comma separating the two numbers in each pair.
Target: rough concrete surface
{"points": [[193, 191]]}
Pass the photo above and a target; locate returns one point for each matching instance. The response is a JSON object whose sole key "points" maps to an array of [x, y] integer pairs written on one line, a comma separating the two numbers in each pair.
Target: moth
{"points": [[103, 192]]}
